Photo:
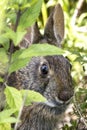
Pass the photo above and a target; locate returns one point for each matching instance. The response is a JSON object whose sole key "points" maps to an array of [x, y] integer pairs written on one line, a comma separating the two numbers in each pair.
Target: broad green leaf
{"points": [[32, 96], [13, 97], [30, 15], [16, 37], [6, 113], [18, 64], [9, 120], [10, 34], [22, 57], [5, 116], [41, 50], [5, 126], [19, 37]]}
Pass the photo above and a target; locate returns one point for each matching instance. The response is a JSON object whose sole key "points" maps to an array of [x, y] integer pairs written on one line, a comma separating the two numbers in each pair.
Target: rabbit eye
{"points": [[44, 69]]}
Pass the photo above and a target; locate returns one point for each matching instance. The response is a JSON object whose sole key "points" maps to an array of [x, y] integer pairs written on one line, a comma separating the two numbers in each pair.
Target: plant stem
{"points": [[11, 48], [76, 12]]}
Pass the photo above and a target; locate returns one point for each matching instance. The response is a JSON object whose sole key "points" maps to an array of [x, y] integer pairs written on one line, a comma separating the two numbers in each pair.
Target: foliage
{"points": [[15, 99]]}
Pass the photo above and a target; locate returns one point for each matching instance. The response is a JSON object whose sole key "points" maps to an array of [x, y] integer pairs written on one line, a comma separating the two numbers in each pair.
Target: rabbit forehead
{"points": [[57, 61]]}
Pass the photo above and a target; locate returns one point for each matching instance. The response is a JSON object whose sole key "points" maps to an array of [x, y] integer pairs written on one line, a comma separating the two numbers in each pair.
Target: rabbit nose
{"points": [[65, 95]]}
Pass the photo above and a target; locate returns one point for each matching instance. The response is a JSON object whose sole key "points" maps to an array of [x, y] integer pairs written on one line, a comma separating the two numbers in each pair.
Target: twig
{"points": [[79, 112], [82, 29], [76, 12], [20, 112]]}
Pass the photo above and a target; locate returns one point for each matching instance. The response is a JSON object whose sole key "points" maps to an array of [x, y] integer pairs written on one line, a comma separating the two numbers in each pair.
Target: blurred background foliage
{"points": [[75, 41]]}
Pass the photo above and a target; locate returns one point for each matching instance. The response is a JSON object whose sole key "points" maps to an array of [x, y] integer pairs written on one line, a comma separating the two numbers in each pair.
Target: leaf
{"points": [[4, 41], [32, 96], [18, 64], [6, 113], [22, 57], [3, 54], [13, 97], [9, 120], [3, 61], [16, 37], [41, 50], [5, 126], [19, 37], [30, 15], [5, 116], [1, 80]]}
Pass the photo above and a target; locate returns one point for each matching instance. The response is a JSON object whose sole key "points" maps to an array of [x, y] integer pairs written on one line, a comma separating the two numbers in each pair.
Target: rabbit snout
{"points": [[65, 95]]}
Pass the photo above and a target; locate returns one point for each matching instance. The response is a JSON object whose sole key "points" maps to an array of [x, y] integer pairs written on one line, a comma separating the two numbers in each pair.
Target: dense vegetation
{"points": [[16, 17]]}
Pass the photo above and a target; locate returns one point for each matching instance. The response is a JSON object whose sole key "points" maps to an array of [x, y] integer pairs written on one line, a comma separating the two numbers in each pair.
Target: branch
{"points": [[79, 111], [11, 49], [76, 12]]}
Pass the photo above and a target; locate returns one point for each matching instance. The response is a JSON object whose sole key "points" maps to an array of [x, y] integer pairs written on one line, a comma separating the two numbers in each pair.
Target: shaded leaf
{"points": [[18, 64]]}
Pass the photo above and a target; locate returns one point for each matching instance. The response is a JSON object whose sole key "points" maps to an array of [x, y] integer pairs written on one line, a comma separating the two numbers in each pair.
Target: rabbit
{"points": [[48, 75]]}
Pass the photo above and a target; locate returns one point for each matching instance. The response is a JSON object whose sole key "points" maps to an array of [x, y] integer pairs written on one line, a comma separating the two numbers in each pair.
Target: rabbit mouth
{"points": [[57, 102]]}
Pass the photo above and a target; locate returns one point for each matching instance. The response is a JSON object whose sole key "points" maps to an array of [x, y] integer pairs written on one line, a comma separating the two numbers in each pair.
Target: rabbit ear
{"points": [[54, 30], [35, 34]]}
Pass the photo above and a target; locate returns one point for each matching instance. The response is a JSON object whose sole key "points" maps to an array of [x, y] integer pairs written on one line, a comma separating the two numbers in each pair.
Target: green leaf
{"points": [[22, 57], [1, 80], [6, 113], [41, 50], [30, 15], [4, 41], [9, 120], [32, 96], [16, 37], [19, 37], [13, 97], [18, 64], [5, 126], [3, 61]]}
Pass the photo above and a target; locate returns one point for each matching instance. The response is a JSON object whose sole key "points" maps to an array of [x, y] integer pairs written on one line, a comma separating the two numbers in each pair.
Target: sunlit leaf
{"points": [[41, 50], [5, 126], [13, 97], [32, 96], [6, 113], [22, 57], [30, 15], [9, 120]]}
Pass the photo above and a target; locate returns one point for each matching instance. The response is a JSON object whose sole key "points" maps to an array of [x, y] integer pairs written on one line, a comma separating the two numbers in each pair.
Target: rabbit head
{"points": [[50, 75]]}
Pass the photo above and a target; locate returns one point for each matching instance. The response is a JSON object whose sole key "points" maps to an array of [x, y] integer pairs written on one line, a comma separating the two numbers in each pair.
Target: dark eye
{"points": [[44, 69]]}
